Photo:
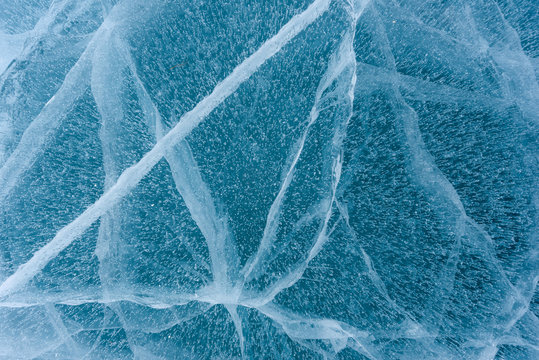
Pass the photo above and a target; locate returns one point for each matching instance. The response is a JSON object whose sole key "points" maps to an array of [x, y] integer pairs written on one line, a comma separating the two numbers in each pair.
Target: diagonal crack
{"points": [[131, 176]]}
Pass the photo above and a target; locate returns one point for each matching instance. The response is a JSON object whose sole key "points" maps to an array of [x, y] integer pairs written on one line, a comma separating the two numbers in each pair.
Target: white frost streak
{"points": [[189, 183], [131, 176], [341, 69], [335, 68], [295, 275], [302, 329], [48, 120]]}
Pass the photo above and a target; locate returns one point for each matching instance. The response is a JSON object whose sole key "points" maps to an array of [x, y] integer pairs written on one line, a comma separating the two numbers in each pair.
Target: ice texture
{"points": [[301, 179]]}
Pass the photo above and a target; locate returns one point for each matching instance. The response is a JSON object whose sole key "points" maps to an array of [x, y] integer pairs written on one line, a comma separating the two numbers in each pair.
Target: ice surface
{"points": [[346, 179]]}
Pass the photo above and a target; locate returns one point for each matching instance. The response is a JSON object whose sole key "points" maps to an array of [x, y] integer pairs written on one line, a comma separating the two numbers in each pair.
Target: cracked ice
{"points": [[347, 179]]}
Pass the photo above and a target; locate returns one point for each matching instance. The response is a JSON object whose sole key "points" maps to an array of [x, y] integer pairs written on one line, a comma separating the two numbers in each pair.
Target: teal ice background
{"points": [[300, 179]]}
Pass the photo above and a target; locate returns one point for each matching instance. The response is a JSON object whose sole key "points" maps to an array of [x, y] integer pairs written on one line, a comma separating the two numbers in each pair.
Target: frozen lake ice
{"points": [[301, 179]]}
